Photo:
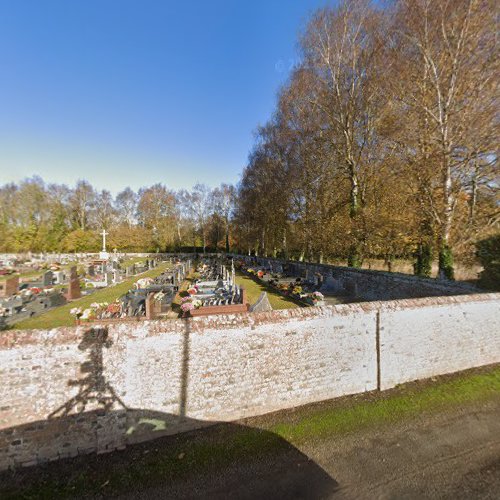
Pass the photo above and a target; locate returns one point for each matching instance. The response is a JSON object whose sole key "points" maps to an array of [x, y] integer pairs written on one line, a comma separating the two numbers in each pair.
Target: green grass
{"points": [[209, 451], [131, 262], [254, 290], [60, 316], [403, 402]]}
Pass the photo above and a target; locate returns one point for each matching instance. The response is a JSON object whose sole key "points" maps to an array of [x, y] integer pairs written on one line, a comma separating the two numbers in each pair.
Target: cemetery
{"points": [[271, 227], [37, 288], [120, 287]]}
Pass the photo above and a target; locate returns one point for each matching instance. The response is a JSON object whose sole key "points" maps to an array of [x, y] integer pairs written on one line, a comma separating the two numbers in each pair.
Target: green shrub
{"points": [[488, 253], [446, 262], [423, 263]]}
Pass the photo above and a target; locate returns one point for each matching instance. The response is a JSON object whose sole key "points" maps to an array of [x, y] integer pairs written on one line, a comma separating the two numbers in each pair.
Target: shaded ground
{"points": [[433, 439]]}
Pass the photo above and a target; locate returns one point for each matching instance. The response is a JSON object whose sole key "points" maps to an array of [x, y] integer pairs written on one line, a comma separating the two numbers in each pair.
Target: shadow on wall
{"points": [[97, 421]]}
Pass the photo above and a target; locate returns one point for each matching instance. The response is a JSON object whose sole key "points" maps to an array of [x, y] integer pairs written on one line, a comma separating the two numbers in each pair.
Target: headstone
{"points": [[74, 291], [108, 278], [262, 304], [59, 277], [150, 309], [48, 278], [116, 276], [351, 287], [330, 285], [9, 287], [56, 299]]}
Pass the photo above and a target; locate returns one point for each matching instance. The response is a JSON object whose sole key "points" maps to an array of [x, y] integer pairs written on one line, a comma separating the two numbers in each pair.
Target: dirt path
{"points": [[440, 456], [422, 453]]}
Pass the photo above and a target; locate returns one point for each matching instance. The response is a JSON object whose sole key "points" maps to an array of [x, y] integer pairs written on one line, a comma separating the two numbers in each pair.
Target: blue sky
{"points": [[134, 92]]}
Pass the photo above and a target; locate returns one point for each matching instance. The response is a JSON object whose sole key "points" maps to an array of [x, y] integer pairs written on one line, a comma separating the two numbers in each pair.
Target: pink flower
{"points": [[187, 306]]}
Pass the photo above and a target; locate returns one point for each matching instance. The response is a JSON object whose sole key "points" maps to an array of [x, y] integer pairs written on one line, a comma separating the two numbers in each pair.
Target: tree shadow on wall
{"points": [[207, 460]]}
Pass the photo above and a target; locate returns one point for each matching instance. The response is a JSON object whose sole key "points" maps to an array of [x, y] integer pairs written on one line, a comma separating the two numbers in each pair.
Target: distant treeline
{"points": [[51, 217]]}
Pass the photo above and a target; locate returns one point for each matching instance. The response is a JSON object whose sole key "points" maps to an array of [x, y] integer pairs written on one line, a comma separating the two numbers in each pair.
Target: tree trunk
{"points": [[227, 237], [446, 269]]}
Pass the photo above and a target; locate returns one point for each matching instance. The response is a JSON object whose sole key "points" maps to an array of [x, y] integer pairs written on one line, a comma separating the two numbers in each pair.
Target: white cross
{"points": [[104, 234]]}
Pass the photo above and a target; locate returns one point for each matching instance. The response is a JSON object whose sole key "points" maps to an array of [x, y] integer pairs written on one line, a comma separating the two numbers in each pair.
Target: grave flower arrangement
{"points": [[114, 308], [317, 298], [188, 304], [193, 290], [186, 307], [143, 283], [88, 314], [76, 312]]}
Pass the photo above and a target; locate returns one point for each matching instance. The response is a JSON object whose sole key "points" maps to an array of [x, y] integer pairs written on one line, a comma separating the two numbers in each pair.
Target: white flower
{"points": [[76, 311], [87, 314]]}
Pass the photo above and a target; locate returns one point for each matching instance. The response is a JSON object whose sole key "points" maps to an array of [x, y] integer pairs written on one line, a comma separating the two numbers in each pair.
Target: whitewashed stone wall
{"points": [[162, 377], [445, 336]]}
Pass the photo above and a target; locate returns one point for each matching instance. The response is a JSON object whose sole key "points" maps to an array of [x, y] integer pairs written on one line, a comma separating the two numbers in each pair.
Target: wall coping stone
{"points": [[198, 325]]}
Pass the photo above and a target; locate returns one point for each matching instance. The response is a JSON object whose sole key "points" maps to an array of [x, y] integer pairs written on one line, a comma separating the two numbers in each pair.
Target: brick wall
{"points": [[71, 391]]}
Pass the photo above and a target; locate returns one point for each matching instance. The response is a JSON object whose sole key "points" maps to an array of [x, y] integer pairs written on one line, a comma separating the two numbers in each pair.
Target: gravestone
{"points": [[310, 277], [319, 280], [59, 277], [262, 304], [74, 291], [56, 299], [278, 268], [116, 276], [129, 271], [330, 285], [9, 287], [351, 287], [48, 278], [108, 278]]}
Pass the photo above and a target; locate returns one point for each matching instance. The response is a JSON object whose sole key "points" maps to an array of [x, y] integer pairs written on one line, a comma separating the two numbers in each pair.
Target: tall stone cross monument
{"points": [[103, 254]]}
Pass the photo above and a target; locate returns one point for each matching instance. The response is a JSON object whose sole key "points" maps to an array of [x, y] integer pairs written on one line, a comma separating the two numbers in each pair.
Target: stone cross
{"points": [[104, 234]]}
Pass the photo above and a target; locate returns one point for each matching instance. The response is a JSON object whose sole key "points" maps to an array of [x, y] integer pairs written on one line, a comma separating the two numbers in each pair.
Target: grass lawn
{"points": [[254, 290], [131, 262], [60, 316], [211, 450]]}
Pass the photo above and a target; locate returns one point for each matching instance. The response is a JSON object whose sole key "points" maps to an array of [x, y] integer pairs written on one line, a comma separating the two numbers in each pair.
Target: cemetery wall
{"points": [[137, 381], [366, 284], [446, 335]]}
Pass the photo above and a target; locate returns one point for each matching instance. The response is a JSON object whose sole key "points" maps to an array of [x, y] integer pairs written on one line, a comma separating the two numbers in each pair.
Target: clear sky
{"points": [[134, 92]]}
